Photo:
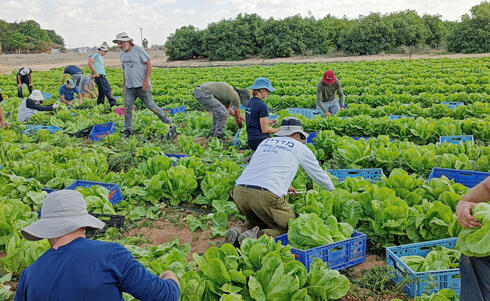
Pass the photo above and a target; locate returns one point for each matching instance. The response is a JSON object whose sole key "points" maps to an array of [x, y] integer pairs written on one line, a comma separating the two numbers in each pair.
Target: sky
{"points": [[90, 22]]}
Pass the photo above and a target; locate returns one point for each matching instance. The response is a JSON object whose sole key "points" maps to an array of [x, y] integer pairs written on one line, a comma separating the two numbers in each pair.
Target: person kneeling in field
{"points": [[259, 192], [67, 93], [217, 97], [325, 94], [76, 268], [32, 105], [87, 86]]}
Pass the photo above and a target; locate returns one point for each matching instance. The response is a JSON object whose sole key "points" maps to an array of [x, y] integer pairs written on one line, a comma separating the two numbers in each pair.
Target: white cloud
{"points": [[89, 22]]}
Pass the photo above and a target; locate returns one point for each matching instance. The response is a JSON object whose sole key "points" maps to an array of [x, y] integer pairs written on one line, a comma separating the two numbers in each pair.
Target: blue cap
{"points": [[262, 83]]}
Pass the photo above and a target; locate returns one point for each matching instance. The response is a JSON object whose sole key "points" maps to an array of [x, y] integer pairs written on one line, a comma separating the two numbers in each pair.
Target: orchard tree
{"points": [[184, 44]]}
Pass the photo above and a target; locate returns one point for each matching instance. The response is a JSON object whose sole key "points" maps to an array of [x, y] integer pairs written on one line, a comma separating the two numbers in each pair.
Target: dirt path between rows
{"points": [[44, 61]]}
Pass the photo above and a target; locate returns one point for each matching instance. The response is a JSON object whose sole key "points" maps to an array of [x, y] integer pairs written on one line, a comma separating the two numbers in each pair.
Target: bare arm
{"points": [[62, 98], [91, 66], [479, 194], [265, 128], [30, 79], [170, 275], [146, 83], [18, 81], [63, 79]]}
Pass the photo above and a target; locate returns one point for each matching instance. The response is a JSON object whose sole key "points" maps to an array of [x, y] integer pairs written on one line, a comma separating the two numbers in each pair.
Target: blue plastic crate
{"points": [[237, 136], [46, 95], [468, 178], [422, 282], [177, 156], [273, 116], [456, 139], [338, 255], [176, 110], [308, 113], [49, 190], [452, 104], [310, 138], [115, 195], [372, 174], [101, 130], [396, 117], [31, 128]]}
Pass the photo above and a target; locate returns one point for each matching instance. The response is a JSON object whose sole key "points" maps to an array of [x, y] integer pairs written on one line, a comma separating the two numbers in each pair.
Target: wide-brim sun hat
{"points": [[104, 47], [70, 83], [262, 83], [329, 77], [122, 37], [289, 126], [36, 95], [63, 212], [24, 71]]}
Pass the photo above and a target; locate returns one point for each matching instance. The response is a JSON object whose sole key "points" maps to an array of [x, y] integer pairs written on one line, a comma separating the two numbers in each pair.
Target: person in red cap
{"points": [[325, 94]]}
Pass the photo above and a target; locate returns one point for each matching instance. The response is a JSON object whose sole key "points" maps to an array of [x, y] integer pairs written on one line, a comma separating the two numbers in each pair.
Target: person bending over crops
{"points": [[76, 268], [257, 113], [32, 105], [259, 191], [218, 97], [87, 86], [3, 123], [325, 94], [475, 271], [67, 93], [137, 69], [75, 73], [96, 64], [24, 76]]}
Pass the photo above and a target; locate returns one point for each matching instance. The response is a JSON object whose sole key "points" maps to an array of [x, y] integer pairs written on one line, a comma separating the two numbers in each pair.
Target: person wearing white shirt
{"points": [[259, 191]]}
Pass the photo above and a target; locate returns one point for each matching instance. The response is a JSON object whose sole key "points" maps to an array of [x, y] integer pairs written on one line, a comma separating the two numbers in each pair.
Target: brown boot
{"points": [[253, 233], [232, 234]]}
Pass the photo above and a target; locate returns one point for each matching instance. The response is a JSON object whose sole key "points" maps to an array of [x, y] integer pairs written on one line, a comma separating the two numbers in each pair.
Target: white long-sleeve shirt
{"points": [[275, 163]]}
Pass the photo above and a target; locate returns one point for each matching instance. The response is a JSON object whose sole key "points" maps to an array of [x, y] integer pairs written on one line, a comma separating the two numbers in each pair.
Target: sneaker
{"points": [[253, 233], [128, 133], [232, 234]]}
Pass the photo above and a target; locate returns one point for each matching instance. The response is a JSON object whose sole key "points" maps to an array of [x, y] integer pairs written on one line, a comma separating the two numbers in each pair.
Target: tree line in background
{"points": [[27, 36], [250, 35]]}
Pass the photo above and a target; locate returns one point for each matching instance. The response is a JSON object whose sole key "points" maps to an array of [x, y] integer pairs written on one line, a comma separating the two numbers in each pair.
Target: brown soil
{"points": [[44, 62], [367, 295], [372, 261], [164, 231], [203, 141]]}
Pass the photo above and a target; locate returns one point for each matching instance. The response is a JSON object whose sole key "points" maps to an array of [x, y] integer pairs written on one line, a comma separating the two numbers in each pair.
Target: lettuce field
{"points": [[402, 208]]}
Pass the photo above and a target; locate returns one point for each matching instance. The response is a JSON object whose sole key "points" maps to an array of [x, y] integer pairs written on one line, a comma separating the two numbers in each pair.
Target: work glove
{"points": [[55, 106]]}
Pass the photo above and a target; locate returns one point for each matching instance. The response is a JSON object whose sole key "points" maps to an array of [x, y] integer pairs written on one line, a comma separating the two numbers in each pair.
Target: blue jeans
{"points": [[332, 106], [130, 95], [105, 90], [475, 278]]}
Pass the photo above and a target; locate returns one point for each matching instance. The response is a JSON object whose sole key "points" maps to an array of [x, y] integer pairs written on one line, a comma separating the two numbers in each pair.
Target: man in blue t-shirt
{"points": [[76, 268], [67, 93]]}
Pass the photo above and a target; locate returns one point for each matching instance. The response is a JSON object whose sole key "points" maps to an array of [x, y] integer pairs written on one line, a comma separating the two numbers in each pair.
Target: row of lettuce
{"points": [[427, 82]]}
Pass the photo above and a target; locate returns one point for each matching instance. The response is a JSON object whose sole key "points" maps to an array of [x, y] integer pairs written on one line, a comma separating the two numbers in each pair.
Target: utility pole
{"points": [[141, 36]]}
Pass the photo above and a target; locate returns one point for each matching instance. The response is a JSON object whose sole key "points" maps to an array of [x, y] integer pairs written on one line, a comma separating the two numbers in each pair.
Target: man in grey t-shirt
{"points": [[137, 68], [87, 85]]}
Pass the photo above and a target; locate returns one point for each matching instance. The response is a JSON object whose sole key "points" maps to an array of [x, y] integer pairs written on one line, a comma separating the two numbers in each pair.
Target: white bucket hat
{"points": [[70, 83], [36, 95], [104, 47], [24, 71], [289, 126], [123, 37], [63, 212]]}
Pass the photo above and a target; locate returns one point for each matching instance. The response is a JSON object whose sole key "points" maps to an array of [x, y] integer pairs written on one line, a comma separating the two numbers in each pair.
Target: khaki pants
{"points": [[264, 209]]}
